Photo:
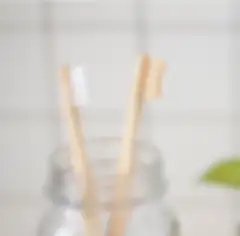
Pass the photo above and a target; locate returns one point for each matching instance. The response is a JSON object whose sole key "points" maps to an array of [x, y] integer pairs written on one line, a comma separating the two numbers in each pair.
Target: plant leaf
{"points": [[225, 173]]}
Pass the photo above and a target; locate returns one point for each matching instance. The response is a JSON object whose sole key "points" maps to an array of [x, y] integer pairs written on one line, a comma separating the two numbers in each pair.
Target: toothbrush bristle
{"points": [[79, 87], [154, 81]]}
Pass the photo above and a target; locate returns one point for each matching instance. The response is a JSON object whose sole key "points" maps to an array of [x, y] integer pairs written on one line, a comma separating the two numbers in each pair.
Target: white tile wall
{"points": [[25, 147], [24, 79], [18, 218], [105, 11], [191, 124], [20, 12], [199, 68], [193, 13]]}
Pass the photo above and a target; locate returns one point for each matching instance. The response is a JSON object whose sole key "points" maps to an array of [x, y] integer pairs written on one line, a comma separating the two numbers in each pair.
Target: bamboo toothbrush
{"points": [[143, 88], [78, 156]]}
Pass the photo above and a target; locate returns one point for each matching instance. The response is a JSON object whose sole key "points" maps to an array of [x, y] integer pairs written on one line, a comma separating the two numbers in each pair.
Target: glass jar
{"points": [[149, 216]]}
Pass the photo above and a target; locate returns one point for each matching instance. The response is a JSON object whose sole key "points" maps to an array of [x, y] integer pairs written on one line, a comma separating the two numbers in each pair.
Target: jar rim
{"points": [[141, 145]]}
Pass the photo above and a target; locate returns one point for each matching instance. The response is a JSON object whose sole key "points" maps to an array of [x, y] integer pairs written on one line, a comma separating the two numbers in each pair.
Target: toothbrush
{"points": [[78, 156], [144, 88]]}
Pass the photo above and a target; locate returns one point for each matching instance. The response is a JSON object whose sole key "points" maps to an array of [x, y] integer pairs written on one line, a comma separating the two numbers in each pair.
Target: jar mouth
{"points": [[140, 145], [103, 153]]}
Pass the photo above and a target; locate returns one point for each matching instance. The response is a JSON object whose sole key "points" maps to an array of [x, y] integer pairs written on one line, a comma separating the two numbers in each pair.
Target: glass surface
{"points": [[150, 215]]}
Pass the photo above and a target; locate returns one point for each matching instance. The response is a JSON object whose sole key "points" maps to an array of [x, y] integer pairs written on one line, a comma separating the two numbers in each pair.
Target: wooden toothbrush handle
{"points": [[122, 195], [78, 157]]}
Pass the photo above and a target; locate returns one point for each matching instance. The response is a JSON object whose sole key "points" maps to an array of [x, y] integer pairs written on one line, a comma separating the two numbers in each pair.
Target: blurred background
{"points": [[194, 124]]}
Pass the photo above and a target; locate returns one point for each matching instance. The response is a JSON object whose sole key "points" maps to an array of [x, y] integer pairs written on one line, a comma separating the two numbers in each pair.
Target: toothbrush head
{"points": [[79, 87], [153, 87]]}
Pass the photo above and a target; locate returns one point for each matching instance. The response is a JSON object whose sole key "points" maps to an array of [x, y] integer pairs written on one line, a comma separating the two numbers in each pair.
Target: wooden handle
{"points": [[78, 157], [72, 119], [119, 213]]}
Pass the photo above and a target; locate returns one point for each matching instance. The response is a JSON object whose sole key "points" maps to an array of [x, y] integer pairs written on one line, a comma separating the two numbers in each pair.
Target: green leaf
{"points": [[225, 173]]}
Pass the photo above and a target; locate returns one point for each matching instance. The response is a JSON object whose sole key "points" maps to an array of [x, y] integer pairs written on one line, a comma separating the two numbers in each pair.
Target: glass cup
{"points": [[150, 215]]}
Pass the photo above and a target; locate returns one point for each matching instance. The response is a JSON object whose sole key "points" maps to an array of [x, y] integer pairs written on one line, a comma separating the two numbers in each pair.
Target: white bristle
{"points": [[79, 87]]}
